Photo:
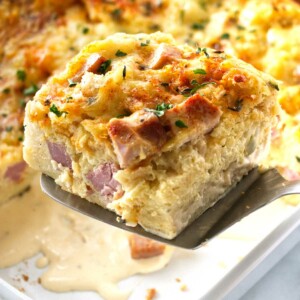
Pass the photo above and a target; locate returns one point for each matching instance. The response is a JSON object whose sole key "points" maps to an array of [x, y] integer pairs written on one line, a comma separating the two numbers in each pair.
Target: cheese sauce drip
{"points": [[81, 253]]}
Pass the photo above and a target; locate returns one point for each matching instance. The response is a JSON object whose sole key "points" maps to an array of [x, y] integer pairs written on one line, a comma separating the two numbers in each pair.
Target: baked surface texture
{"points": [[150, 129]]}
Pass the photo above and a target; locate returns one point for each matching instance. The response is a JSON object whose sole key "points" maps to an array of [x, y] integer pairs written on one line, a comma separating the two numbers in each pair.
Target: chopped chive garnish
{"points": [[225, 36], [8, 128], [116, 14], [180, 124], [237, 106], [198, 26], [21, 75], [274, 85], [196, 86], [160, 109], [199, 71], [6, 91], [85, 30], [145, 44], [71, 83], [199, 50], [56, 111], [104, 67], [22, 103], [31, 90], [120, 53], [124, 72]]}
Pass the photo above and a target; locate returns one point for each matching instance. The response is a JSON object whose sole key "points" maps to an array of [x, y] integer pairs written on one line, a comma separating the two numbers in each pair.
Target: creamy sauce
{"points": [[81, 253]]}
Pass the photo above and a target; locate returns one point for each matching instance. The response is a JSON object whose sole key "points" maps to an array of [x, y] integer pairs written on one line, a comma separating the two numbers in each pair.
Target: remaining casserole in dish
{"points": [[155, 131]]}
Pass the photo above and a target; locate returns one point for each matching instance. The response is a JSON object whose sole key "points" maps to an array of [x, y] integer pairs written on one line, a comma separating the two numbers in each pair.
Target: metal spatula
{"points": [[252, 192]]}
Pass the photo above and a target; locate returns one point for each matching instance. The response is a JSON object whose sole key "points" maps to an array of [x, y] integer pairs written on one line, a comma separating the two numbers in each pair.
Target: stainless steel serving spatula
{"points": [[252, 192]]}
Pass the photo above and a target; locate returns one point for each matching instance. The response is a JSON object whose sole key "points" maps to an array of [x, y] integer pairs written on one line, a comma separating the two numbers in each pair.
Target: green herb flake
{"points": [[154, 27], [20, 139], [116, 14], [225, 36], [69, 98], [274, 85], [180, 124], [163, 106], [124, 72], [160, 109], [145, 44], [203, 5], [8, 128], [22, 103], [85, 30], [237, 106], [21, 75], [240, 27], [125, 114], [198, 26], [31, 90], [199, 50], [72, 83], [199, 71], [196, 86], [298, 159], [104, 67], [120, 53], [56, 111], [6, 91], [182, 15], [91, 100]]}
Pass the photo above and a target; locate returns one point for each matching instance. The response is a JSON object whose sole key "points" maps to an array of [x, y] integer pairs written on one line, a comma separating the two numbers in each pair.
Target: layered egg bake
{"points": [[153, 130], [38, 37]]}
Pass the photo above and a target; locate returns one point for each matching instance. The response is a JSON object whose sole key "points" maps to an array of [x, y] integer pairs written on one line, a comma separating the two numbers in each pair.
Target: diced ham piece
{"points": [[102, 180], [15, 172], [198, 116], [290, 174], [164, 55], [297, 74], [141, 247], [92, 64], [136, 137], [59, 153]]}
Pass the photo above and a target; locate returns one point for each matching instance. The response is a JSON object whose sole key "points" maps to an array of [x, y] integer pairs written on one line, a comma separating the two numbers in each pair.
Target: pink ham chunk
{"points": [[290, 174], [141, 248], [92, 64], [102, 180], [196, 116], [59, 153], [164, 55], [136, 137], [15, 172]]}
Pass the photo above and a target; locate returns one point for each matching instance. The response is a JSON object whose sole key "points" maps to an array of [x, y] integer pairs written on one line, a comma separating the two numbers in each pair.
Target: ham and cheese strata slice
{"points": [[155, 131]]}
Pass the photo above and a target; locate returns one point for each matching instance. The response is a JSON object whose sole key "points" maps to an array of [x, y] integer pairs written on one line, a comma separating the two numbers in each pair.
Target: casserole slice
{"points": [[150, 129]]}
